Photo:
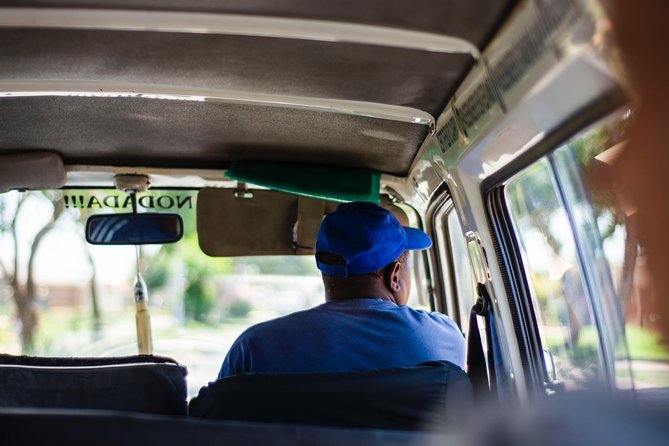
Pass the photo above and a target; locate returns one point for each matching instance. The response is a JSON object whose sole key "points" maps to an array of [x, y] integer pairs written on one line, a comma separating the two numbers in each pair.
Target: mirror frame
{"points": [[148, 214]]}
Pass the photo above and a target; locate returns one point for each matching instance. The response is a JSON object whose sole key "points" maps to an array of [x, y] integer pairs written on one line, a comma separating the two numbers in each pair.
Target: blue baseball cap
{"points": [[367, 237]]}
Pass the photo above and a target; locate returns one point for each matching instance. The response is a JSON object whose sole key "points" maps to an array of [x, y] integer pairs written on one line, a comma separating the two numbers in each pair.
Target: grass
{"points": [[641, 344], [651, 378], [645, 345], [67, 331]]}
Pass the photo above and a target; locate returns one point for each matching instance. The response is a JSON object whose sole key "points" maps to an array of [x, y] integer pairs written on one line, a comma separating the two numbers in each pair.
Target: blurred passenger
{"points": [[642, 31]]}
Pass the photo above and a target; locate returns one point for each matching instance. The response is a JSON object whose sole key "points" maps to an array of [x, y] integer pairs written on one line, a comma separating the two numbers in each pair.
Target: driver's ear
{"points": [[393, 277]]}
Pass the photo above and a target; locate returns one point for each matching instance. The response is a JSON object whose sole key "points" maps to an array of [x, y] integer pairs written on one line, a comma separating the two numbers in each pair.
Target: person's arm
{"points": [[234, 363]]}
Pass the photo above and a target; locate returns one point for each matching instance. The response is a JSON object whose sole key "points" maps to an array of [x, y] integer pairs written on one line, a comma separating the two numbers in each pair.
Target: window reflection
{"points": [[556, 281], [597, 150], [584, 256]]}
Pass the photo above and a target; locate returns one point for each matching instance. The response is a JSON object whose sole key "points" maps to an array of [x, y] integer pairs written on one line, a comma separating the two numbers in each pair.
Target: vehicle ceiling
{"points": [[95, 88]]}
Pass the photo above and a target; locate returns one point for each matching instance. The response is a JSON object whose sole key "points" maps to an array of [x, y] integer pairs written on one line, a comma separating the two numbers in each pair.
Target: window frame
{"points": [[517, 288], [507, 246], [444, 288]]}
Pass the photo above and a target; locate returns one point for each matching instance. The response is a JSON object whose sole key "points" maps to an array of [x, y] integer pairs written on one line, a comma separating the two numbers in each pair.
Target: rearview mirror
{"points": [[134, 229]]}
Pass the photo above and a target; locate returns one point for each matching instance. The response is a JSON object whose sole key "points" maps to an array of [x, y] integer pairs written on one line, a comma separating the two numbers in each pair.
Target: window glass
{"points": [[644, 354], [594, 264], [556, 280], [77, 299], [612, 279], [418, 297], [464, 279], [455, 268]]}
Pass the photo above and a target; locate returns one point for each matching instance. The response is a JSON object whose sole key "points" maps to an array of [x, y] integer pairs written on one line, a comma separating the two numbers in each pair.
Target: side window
{"points": [[459, 290], [585, 267], [418, 298], [556, 282], [463, 276], [641, 356]]}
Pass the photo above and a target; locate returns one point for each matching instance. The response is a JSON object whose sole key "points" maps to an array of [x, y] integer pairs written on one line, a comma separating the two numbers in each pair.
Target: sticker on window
{"points": [[111, 201]]}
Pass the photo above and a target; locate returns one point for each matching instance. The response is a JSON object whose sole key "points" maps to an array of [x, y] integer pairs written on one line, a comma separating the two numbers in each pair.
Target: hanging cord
{"points": [[142, 316]]}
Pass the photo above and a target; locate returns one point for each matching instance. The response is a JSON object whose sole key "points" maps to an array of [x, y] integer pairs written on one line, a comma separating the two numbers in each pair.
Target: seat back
{"points": [[144, 383], [430, 396], [68, 427]]}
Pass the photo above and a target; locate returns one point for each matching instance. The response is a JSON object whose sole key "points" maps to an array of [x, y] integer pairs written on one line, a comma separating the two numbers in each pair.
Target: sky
{"points": [[62, 258]]}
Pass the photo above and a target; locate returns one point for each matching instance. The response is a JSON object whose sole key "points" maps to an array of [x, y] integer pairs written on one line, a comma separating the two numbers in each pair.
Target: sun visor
{"points": [[258, 222], [36, 170], [325, 182]]}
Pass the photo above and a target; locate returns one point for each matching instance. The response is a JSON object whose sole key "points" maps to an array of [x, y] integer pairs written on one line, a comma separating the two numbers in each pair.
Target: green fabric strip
{"points": [[329, 183]]}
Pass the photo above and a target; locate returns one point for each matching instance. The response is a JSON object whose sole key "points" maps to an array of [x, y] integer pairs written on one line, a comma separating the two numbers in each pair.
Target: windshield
{"points": [[61, 296], [64, 297]]}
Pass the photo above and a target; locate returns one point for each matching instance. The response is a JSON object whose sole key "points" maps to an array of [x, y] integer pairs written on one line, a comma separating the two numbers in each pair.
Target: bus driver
{"points": [[364, 324]]}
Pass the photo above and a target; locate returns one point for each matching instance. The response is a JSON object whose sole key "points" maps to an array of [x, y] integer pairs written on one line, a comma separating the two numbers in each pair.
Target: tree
{"points": [[608, 205], [20, 276], [96, 317], [186, 257], [23, 287], [200, 292]]}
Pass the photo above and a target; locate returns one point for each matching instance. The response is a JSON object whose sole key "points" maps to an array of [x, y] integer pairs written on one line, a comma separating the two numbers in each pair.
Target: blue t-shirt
{"points": [[346, 336]]}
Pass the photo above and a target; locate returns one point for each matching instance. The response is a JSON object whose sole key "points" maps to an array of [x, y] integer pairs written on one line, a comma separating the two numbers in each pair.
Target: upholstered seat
{"points": [[430, 396], [145, 384]]}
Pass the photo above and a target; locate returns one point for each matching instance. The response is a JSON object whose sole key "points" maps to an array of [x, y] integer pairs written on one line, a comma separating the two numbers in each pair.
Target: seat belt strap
{"points": [[476, 360]]}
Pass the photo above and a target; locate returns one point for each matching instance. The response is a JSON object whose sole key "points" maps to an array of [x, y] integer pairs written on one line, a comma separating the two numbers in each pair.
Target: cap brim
{"points": [[417, 239]]}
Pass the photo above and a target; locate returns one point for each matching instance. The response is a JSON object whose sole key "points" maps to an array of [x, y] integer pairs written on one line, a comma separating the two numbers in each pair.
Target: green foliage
{"points": [[200, 293], [162, 266], [545, 289], [531, 193], [185, 257], [590, 144], [239, 308], [596, 173], [199, 296], [645, 345], [582, 354]]}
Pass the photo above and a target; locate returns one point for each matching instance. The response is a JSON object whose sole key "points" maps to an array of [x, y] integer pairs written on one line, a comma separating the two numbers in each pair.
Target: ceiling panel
{"points": [[417, 79], [473, 20], [151, 132]]}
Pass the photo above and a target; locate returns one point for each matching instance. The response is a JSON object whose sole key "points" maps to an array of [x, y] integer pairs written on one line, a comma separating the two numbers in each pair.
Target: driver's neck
{"points": [[362, 289]]}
